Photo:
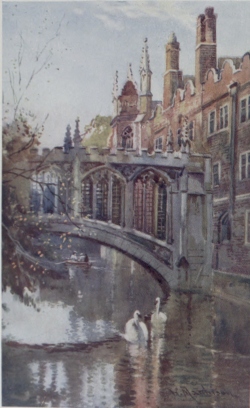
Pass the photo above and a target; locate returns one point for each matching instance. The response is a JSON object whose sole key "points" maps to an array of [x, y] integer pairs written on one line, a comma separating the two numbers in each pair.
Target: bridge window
{"points": [[138, 205], [102, 200], [161, 213], [44, 193], [149, 207], [87, 198], [150, 200], [116, 201]]}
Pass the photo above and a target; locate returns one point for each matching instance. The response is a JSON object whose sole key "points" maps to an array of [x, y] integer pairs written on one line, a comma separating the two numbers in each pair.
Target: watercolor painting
{"points": [[126, 204]]}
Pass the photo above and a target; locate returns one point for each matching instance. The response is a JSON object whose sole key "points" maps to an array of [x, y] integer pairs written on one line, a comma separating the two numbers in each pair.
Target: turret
{"points": [[206, 48], [145, 81], [77, 138], [172, 76]]}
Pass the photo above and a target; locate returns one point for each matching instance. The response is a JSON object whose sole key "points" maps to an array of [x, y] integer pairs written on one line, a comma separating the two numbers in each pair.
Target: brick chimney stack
{"points": [[206, 47], [172, 76]]}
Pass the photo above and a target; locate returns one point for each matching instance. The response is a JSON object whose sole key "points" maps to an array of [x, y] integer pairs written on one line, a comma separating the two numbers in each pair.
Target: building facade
{"points": [[176, 171]]}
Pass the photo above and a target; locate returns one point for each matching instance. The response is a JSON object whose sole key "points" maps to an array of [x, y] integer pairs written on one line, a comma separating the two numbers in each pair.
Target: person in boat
{"points": [[74, 256], [86, 258]]}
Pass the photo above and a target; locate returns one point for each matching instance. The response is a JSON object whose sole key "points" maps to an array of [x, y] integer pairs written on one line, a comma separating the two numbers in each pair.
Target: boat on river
{"points": [[73, 262]]}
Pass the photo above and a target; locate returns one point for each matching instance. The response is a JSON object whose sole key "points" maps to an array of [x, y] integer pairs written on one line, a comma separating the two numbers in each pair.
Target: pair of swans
{"points": [[136, 331]]}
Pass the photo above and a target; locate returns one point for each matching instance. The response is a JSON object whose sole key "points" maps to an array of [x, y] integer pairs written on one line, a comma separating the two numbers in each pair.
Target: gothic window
{"points": [[116, 201], [161, 211], [211, 123], [102, 200], [87, 198], [150, 205], [49, 199], [245, 166], [158, 143], [224, 228], [127, 138], [224, 117], [138, 205]]}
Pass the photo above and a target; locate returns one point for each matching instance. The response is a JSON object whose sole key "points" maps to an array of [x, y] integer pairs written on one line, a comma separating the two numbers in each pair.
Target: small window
{"points": [[158, 143], [245, 166], [245, 109], [191, 130], [224, 117], [224, 228], [216, 174], [247, 228], [211, 127]]}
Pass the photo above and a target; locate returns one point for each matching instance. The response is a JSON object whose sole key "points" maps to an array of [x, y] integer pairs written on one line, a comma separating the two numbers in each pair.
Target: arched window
{"points": [[138, 205], [116, 200], [161, 211], [87, 198], [224, 230], [127, 138], [102, 200], [150, 200]]}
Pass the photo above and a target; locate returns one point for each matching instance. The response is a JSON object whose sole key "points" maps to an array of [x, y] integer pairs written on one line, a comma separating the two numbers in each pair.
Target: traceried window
{"points": [[87, 197], [245, 165], [44, 193], [161, 211], [247, 228], [224, 117], [211, 123], [216, 174], [116, 200], [158, 143], [150, 198], [102, 200], [127, 138]]}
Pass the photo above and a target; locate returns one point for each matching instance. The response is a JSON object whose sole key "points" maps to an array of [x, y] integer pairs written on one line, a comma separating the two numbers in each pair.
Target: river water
{"points": [[62, 346]]}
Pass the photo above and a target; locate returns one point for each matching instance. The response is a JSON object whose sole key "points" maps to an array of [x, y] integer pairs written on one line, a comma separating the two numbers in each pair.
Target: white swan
{"points": [[158, 317], [135, 330]]}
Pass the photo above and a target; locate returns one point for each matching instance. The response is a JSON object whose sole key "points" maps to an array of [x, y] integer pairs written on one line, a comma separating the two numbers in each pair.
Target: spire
{"points": [[145, 63], [77, 138], [115, 96], [145, 71], [130, 73], [67, 140], [115, 87]]}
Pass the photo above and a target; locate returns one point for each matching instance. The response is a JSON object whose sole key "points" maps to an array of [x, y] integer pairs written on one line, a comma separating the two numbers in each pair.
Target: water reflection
{"points": [[199, 358]]}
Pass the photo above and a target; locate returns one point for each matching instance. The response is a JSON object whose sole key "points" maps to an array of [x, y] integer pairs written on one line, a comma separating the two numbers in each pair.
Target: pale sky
{"points": [[94, 40]]}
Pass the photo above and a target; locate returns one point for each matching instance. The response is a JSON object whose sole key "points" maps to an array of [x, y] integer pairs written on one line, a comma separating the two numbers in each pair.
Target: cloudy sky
{"points": [[74, 49]]}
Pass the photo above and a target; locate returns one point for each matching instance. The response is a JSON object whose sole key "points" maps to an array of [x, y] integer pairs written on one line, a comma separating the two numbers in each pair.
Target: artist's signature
{"points": [[199, 391]]}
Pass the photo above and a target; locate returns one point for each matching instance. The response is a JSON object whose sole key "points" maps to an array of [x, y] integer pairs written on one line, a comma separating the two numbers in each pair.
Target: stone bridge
{"points": [[151, 253]]}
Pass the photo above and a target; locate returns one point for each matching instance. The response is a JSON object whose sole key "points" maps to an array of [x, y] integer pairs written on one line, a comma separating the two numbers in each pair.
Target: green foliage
{"points": [[97, 132]]}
